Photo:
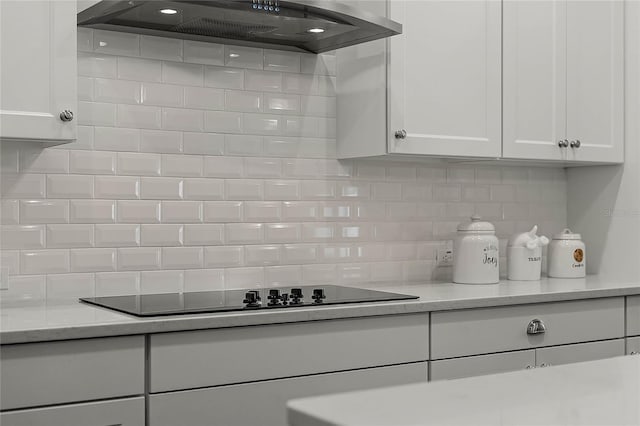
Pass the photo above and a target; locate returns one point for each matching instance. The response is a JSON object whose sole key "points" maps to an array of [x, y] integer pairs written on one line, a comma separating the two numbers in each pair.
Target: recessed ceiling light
{"points": [[168, 11], [315, 30]]}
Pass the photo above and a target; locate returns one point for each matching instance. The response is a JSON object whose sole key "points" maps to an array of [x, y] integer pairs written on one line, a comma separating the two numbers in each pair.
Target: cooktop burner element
{"points": [[148, 305]]}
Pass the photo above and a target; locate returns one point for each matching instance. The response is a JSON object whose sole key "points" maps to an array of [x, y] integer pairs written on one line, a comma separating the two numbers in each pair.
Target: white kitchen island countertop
{"points": [[605, 392], [37, 321]]}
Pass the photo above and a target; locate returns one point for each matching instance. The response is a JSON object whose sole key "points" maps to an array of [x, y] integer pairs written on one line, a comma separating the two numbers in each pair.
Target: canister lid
{"points": [[476, 225], [566, 234]]}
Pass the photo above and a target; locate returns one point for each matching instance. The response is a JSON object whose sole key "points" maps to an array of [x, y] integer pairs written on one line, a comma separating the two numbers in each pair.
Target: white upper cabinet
{"points": [[433, 90], [38, 70], [444, 78], [563, 80]]}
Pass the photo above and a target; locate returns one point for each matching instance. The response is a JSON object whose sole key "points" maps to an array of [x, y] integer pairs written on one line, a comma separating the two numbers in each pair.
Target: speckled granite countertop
{"points": [[35, 322]]}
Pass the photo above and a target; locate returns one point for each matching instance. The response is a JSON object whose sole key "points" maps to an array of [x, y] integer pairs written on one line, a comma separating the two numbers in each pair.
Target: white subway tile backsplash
{"points": [[44, 262], [190, 120], [203, 234], [94, 65], [118, 91], [203, 280], [223, 211], [161, 48], [233, 151], [139, 69], [183, 74], [225, 78], [244, 233], [92, 211], [44, 211], [117, 187], [223, 121], [162, 95], [23, 186], [197, 52], [247, 145], [85, 89], [161, 188], [182, 257], [92, 162], [244, 278], [152, 282], [22, 237], [138, 258], [223, 256], [139, 164], [242, 101], [96, 114], [262, 255], [69, 236], [10, 212], [243, 57], [182, 165], [93, 260], [139, 117], [203, 98], [138, 211], [116, 139], [117, 283], [203, 189], [69, 287], [182, 211]]}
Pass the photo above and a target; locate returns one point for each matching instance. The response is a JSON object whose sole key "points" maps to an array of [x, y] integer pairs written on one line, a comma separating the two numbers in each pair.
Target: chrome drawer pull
{"points": [[536, 326]]}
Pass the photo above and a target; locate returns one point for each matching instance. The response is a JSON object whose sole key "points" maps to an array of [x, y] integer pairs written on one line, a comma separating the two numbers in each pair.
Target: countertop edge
{"points": [[201, 321]]}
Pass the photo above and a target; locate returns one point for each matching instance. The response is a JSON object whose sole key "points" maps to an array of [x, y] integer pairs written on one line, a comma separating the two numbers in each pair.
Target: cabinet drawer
{"points": [[264, 403], [36, 374], [486, 330], [633, 345], [480, 365], [579, 353], [633, 316], [188, 360], [124, 412]]}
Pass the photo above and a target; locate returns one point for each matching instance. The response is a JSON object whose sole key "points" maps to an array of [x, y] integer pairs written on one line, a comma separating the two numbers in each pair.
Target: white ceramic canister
{"points": [[524, 255], [566, 256], [475, 253]]}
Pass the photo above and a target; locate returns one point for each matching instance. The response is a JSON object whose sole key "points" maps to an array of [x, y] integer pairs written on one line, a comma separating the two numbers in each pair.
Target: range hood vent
{"points": [[314, 26]]}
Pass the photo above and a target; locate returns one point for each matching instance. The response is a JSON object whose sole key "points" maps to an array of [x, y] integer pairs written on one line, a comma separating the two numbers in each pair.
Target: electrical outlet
{"points": [[444, 257]]}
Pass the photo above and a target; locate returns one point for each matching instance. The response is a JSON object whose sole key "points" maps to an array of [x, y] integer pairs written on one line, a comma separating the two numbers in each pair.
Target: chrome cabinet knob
{"points": [[528, 367], [575, 144], [66, 115], [563, 143], [401, 134], [634, 353], [536, 326], [543, 365]]}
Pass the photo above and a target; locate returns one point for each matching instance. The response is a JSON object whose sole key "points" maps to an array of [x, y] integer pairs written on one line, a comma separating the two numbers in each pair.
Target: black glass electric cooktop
{"points": [[147, 305]]}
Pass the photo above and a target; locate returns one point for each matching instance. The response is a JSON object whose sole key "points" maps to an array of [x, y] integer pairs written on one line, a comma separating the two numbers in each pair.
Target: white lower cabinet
{"points": [[633, 316], [122, 412], [264, 403], [480, 365], [546, 357], [633, 345]]}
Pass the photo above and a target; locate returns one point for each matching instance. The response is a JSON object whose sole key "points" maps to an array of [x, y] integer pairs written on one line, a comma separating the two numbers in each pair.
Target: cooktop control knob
{"points": [[252, 299], [318, 295], [274, 297], [284, 298], [296, 296]]}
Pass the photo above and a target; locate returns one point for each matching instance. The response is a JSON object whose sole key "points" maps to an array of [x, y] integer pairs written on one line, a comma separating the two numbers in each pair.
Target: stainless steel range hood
{"points": [[314, 26]]}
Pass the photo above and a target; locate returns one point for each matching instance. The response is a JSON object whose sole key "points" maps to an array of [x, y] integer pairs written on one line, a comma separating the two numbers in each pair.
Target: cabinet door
{"points": [[38, 71], [633, 316], [568, 354], [445, 78], [595, 80], [534, 86], [264, 403], [470, 366], [633, 345], [123, 412]]}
